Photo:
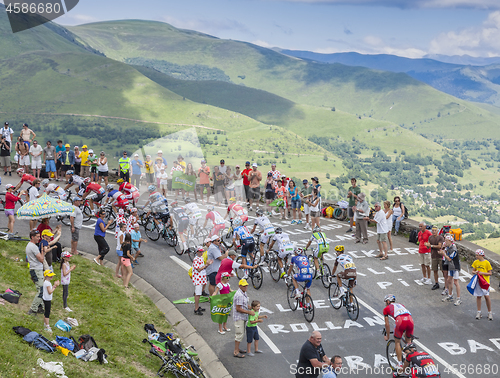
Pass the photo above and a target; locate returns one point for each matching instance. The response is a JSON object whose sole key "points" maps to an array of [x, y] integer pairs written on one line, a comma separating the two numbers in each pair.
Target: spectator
{"points": [[190, 172], [120, 231], [23, 151], [159, 165], [223, 287], [10, 205], [435, 243], [7, 132], [66, 270], [199, 278], [137, 240], [76, 225], [238, 183], [229, 184], [316, 185], [218, 179], [78, 161], [92, 159], [136, 164], [49, 246], [276, 175], [381, 221], [204, 175], [99, 234], [269, 191], [163, 177], [255, 177], [312, 358], [48, 289], [53, 241], [424, 253], [361, 210], [5, 155], [126, 259], [222, 167], [229, 265], [295, 202], [216, 256], [453, 261], [59, 150], [335, 369], [34, 193], [36, 158], [49, 153], [246, 182], [149, 165], [159, 155], [67, 160], [313, 203], [26, 134], [388, 216], [35, 258], [176, 168], [181, 162], [398, 213], [240, 316], [85, 164], [482, 267], [102, 169], [352, 194], [252, 330], [305, 195], [282, 193]]}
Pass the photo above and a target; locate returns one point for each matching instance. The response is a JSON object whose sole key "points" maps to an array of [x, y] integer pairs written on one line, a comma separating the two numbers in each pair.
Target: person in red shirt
{"points": [[236, 210], [98, 190], [204, 175], [57, 251], [10, 205], [424, 253], [282, 193], [130, 191], [24, 178], [246, 181]]}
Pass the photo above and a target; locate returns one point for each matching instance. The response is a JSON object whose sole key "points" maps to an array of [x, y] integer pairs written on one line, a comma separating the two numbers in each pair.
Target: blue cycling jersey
{"points": [[242, 232], [302, 263]]}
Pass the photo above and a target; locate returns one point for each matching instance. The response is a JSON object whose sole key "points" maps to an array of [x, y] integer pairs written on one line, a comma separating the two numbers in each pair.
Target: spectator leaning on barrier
{"points": [[424, 253]]}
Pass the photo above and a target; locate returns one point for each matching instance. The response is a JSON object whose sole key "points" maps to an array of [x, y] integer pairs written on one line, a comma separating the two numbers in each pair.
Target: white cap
{"points": [[136, 155], [91, 151], [254, 165], [160, 151]]}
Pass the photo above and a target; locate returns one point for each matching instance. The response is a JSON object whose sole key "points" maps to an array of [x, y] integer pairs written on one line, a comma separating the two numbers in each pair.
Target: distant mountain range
{"points": [[465, 77]]}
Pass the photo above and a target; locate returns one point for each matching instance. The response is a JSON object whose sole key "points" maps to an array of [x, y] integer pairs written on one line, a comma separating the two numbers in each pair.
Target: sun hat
{"points": [[243, 282], [48, 273]]}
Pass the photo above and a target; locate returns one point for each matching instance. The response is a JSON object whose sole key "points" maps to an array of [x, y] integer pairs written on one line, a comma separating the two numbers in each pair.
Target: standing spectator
{"points": [[269, 191], [199, 278], [204, 175], [49, 154], [23, 151], [66, 270], [85, 164], [388, 216], [282, 193], [361, 210], [424, 253], [176, 168], [240, 316], [218, 179], [159, 165], [34, 193], [127, 259], [313, 203], [295, 202], [76, 225], [159, 155], [276, 175], [163, 177], [120, 231], [67, 160], [352, 194], [453, 262], [5, 155], [381, 221], [149, 165], [335, 369], [316, 185], [78, 161], [216, 256], [92, 159], [255, 177], [398, 213], [482, 267], [48, 289], [246, 182], [312, 358], [59, 150], [137, 240], [435, 243], [229, 184], [36, 158], [124, 166], [222, 167], [238, 183], [26, 134], [35, 258], [190, 172], [181, 162], [99, 234], [10, 205], [252, 330], [102, 169], [305, 195], [223, 287], [136, 170], [7, 132]]}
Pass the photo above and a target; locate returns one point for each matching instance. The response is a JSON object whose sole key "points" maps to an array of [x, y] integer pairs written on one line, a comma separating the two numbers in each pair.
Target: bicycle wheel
{"points": [[290, 296], [352, 306], [334, 296], [87, 213], [312, 267], [326, 272], [257, 277], [191, 251], [308, 308], [110, 215], [274, 268], [152, 231], [239, 272], [392, 357]]}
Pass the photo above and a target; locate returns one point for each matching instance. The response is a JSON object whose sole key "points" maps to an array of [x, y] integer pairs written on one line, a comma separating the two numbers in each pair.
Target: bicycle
{"points": [[274, 267], [390, 350], [348, 299], [196, 237], [324, 269], [6, 236], [154, 231], [226, 236], [256, 274], [305, 301]]}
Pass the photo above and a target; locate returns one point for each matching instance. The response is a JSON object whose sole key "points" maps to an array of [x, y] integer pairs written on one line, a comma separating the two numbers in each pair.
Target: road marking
{"points": [[422, 346], [181, 263]]}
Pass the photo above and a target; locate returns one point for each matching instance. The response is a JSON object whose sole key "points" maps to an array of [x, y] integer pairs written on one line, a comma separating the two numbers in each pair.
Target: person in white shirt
{"points": [[194, 213], [163, 177], [34, 193], [382, 230], [7, 132], [36, 158]]}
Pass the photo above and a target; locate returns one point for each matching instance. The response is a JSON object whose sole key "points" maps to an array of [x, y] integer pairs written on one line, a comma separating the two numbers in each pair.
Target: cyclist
{"points": [[404, 324], [321, 247], [244, 238], [130, 191], [236, 211], [95, 188], [266, 230], [349, 273], [194, 213], [285, 247], [76, 180], [218, 222], [24, 178], [182, 220], [159, 207], [120, 200], [54, 188], [421, 364], [304, 272]]}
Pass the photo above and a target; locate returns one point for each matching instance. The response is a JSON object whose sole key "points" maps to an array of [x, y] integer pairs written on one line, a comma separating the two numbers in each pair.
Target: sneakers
{"points": [[449, 298], [282, 275], [349, 230], [300, 221], [423, 279], [298, 294], [428, 281], [458, 302], [68, 309], [490, 316], [479, 315], [47, 329], [444, 292], [97, 262], [204, 294], [435, 287], [293, 222], [307, 227], [250, 354]]}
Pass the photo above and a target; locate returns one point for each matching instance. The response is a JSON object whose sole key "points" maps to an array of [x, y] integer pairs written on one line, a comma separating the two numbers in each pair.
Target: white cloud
{"points": [[483, 40], [405, 4]]}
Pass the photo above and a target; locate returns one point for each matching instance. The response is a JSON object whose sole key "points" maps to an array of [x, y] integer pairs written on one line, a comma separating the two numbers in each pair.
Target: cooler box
{"points": [[457, 233]]}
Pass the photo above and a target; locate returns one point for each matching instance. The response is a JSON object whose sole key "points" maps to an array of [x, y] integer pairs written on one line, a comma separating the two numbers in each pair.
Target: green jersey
{"points": [[252, 319]]}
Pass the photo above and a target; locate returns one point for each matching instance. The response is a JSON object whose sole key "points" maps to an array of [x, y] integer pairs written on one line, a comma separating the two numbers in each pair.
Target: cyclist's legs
{"points": [[399, 351]]}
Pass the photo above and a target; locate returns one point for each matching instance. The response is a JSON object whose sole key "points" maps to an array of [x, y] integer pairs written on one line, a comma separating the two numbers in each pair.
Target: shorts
{"points": [[36, 164], [252, 334], [163, 187], [404, 323], [264, 237], [349, 274], [93, 169], [164, 217], [9, 212], [254, 193], [183, 225], [282, 253], [211, 278], [454, 273], [295, 204], [314, 214], [303, 278], [119, 252], [24, 160], [269, 196], [248, 245], [216, 229], [198, 289], [425, 259], [478, 292], [121, 204], [5, 161], [126, 262], [203, 186], [444, 267], [99, 197], [193, 220], [50, 166], [103, 173], [75, 236], [239, 330], [65, 167], [317, 254], [382, 237], [350, 213], [247, 191], [436, 264], [307, 209]]}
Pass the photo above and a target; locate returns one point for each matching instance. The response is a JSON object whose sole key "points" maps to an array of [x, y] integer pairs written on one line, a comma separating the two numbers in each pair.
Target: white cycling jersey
{"points": [[285, 246], [193, 211], [345, 261], [53, 188]]}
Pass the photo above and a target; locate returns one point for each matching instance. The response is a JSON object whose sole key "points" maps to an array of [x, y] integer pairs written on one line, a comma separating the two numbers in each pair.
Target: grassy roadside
{"points": [[113, 316]]}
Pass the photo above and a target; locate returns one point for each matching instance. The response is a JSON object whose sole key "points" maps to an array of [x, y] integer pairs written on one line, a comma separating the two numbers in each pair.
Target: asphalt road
{"points": [[461, 345]]}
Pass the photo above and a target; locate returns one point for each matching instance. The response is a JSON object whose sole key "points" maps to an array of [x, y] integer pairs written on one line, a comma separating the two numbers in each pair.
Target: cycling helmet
{"points": [[237, 222], [316, 229], [187, 200], [45, 182], [339, 248], [151, 188], [109, 187], [390, 298], [174, 204], [70, 172], [278, 230], [259, 212], [119, 181], [210, 208], [86, 180], [409, 346], [20, 170]]}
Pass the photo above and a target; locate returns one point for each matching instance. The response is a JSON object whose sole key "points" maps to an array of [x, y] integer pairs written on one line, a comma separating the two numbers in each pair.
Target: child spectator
{"points": [[252, 331], [163, 177], [482, 267], [66, 277], [136, 242], [199, 278], [127, 259], [48, 289], [120, 237], [453, 261], [223, 287]]}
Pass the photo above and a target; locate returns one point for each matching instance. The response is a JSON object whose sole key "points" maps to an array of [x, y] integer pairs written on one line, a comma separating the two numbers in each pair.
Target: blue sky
{"points": [[409, 28]]}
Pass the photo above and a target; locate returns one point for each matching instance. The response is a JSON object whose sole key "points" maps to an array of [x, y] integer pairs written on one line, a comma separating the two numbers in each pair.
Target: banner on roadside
{"points": [[182, 181]]}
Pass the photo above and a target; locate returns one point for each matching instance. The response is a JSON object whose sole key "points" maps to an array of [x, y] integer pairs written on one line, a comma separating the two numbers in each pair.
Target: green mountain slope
{"points": [[394, 97]]}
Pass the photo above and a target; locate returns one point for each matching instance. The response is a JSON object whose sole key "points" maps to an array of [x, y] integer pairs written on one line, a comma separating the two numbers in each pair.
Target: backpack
{"points": [[11, 296], [39, 342], [413, 236], [65, 343], [406, 211], [86, 342], [63, 326], [21, 330]]}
